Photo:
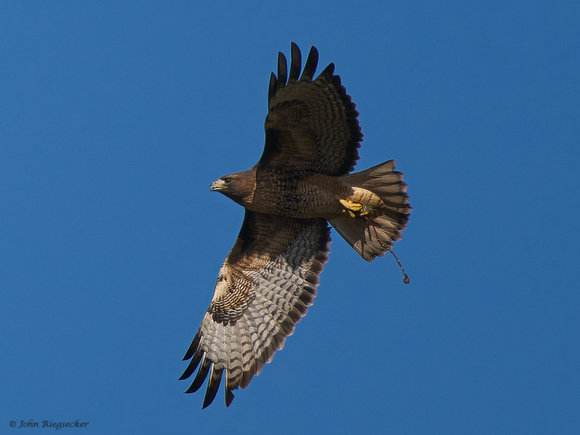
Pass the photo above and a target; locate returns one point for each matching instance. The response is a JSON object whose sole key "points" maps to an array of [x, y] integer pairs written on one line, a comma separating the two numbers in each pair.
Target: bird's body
{"points": [[286, 194], [301, 183]]}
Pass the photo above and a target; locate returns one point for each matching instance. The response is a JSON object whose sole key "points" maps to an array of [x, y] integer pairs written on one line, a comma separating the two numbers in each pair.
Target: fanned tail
{"points": [[385, 210]]}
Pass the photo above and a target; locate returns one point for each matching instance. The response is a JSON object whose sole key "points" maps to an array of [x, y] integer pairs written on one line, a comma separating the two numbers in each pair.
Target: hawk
{"points": [[301, 183]]}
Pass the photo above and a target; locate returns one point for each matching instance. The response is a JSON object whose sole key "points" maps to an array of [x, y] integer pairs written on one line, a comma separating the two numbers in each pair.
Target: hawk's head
{"points": [[239, 187]]}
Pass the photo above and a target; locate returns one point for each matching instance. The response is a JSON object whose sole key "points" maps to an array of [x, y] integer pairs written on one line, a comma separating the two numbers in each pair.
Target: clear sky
{"points": [[116, 116]]}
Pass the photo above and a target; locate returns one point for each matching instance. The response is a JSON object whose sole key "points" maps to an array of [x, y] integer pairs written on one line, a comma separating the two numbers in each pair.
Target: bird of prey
{"points": [[302, 183]]}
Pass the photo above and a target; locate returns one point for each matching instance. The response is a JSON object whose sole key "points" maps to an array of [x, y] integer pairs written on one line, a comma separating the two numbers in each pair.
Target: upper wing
{"points": [[311, 124], [263, 289]]}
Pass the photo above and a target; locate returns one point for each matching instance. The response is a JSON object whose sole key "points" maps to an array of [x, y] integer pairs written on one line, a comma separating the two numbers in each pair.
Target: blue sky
{"points": [[116, 116]]}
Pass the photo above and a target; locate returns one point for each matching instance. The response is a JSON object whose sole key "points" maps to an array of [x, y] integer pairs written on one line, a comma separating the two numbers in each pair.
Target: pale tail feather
{"points": [[373, 234]]}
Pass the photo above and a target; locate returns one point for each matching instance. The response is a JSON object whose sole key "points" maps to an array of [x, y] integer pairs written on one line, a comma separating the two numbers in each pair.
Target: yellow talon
{"points": [[349, 212], [350, 205], [353, 208]]}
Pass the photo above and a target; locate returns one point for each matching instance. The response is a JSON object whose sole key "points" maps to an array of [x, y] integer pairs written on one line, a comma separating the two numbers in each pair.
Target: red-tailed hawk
{"points": [[300, 183]]}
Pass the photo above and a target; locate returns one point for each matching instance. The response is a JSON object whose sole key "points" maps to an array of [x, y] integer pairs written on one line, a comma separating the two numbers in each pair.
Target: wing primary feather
{"points": [[282, 69], [229, 397], [191, 366], [212, 386], [272, 86], [295, 63], [201, 375], [311, 63], [192, 347], [329, 70], [229, 394]]}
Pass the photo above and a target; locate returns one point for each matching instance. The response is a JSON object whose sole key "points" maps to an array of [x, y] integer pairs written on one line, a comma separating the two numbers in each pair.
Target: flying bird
{"points": [[302, 183]]}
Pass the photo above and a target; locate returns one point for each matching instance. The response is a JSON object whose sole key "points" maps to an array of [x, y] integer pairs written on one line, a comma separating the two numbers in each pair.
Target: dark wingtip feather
{"points": [[282, 69], [311, 63], [272, 86], [191, 366], [200, 377], [213, 384], [328, 70], [295, 63], [193, 346], [228, 389], [229, 397]]}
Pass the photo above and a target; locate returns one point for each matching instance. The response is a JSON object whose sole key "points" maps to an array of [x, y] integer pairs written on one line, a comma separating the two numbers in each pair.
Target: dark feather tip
{"points": [[200, 377], [191, 366], [229, 397], [295, 63], [282, 69], [311, 63], [328, 70], [272, 86], [213, 384]]}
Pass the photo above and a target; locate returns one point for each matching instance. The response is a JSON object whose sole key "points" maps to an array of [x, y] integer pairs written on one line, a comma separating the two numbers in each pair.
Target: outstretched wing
{"points": [[311, 124], [263, 289]]}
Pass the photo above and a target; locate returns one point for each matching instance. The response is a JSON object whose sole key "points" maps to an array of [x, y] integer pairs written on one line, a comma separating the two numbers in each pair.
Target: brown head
{"points": [[239, 187]]}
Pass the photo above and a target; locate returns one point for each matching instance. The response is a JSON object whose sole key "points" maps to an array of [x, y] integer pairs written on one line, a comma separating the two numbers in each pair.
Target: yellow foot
{"points": [[353, 208]]}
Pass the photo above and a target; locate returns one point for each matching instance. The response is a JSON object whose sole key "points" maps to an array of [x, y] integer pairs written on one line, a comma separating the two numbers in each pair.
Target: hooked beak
{"points": [[217, 185]]}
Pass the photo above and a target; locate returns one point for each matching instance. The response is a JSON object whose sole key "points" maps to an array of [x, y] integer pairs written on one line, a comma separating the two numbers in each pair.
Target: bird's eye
{"points": [[227, 179]]}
